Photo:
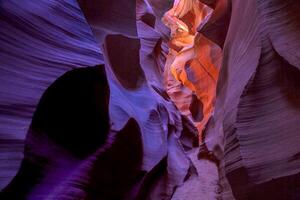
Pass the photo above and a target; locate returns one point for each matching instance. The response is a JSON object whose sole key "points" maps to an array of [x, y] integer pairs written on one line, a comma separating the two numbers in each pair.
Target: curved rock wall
{"points": [[39, 41], [253, 132], [57, 45], [257, 111]]}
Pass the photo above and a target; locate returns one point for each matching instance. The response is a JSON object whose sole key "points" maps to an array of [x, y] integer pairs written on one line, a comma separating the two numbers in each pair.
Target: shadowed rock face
{"points": [[40, 41], [55, 140], [257, 108], [112, 132], [124, 51], [69, 151], [85, 154]]}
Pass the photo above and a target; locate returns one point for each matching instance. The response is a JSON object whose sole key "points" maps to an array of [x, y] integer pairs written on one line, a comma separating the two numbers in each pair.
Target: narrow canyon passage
{"points": [[149, 100], [193, 62]]}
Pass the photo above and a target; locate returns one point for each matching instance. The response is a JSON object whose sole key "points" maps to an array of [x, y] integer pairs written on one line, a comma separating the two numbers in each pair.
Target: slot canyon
{"points": [[150, 100]]}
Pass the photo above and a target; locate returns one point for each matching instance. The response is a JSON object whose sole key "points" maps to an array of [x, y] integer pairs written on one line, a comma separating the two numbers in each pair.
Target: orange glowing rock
{"points": [[193, 62]]}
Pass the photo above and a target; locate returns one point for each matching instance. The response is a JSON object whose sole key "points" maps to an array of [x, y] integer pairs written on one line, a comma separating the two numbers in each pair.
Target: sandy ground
{"points": [[201, 187]]}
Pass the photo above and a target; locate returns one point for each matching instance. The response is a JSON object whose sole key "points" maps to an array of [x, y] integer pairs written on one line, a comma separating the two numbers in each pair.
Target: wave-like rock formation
{"points": [[255, 128], [40, 41], [77, 141], [193, 62], [88, 96]]}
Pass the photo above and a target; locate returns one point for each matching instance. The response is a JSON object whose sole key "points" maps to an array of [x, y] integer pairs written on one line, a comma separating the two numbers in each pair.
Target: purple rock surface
{"points": [[84, 112]]}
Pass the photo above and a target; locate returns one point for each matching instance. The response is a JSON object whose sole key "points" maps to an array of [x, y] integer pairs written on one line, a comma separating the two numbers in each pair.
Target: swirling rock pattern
{"points": [[141, 145], [137, 104], [193, 62], [40, 40], [257, 111]]}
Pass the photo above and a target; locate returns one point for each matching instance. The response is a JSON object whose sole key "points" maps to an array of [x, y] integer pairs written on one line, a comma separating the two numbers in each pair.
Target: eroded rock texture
{"points": [[77, 142], [40, 40], [256, 121], [112, 132], [193, 62]]}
